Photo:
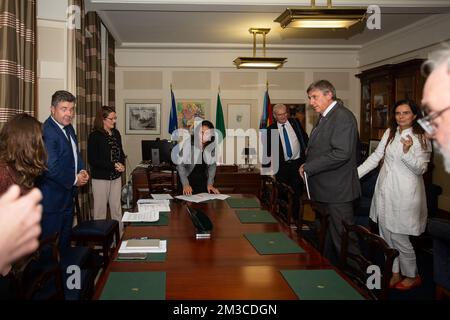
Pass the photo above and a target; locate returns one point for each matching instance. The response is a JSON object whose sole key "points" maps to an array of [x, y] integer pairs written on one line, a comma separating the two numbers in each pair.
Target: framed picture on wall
{"points": [[239, 116], [296, 110], [142, 118], [188, 111]]}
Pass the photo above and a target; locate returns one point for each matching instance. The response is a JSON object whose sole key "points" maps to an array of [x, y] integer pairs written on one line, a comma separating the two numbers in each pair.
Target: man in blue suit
{"points": [[65, 169]]}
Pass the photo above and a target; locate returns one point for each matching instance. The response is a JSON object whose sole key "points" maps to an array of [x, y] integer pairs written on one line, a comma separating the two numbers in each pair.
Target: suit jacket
{"points": [[99, 154], [331, 158], [302, 138], [56, 184]]}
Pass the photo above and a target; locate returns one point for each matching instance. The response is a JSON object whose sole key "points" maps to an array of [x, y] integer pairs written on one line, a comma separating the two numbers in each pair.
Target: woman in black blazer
{"points": [[106, 158]]}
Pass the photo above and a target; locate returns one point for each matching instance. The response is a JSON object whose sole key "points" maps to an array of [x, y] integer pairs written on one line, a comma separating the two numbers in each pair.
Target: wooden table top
{"points": [[223, 267]]}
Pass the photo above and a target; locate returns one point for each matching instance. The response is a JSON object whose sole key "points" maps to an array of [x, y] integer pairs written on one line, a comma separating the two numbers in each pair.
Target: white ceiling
{"points": [[225, 24]]}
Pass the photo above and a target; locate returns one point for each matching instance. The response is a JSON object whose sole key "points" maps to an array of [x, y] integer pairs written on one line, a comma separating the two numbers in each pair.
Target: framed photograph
{"points": [[188, 111], [239, 116], [142, 118], [296, 110], [373, 144]]}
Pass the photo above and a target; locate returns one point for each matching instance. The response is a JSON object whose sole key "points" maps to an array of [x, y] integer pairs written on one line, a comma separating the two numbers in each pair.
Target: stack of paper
{"points": [[200, 197], [143, 245], [149, 216], [146, 205], [161, 196]]}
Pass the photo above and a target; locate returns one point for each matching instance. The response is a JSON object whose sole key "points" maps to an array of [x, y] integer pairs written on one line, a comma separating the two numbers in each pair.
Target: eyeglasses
{"points": [[428, 124], [115, 118]]}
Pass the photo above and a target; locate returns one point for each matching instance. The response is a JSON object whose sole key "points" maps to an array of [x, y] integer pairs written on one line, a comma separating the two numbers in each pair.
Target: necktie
{"points": [[66, 129], [287, 142], [320, 119]]}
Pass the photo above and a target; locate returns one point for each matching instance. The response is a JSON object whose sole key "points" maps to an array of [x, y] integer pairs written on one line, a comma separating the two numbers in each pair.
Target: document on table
{"points": [[162, 196], [148, 216], [200, 197], [145, 205], [125, 249], [307, 186]]}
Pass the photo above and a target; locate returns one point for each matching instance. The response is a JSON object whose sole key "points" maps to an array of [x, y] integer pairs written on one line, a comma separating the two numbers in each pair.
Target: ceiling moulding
{"points": [[233, 46], [423, 33], [387, 3]]}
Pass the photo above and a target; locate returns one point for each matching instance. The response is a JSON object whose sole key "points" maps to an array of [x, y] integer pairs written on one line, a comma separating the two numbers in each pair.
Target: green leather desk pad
{"points": [[320, 285], [135, 286], [273, 243], [255, 216], [243, 202]]}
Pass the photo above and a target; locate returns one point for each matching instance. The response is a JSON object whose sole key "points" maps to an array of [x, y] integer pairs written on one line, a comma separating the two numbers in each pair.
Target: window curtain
{"points": [[111, 71], [88, 88], [18, 58]]}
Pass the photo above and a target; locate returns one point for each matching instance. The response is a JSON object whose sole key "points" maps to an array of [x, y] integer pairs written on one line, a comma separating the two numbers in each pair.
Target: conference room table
{"points": [[226, 266]]}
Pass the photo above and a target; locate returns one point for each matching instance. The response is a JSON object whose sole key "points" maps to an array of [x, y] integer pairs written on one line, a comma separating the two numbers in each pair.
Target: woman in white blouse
{"points": [[399, 202]]}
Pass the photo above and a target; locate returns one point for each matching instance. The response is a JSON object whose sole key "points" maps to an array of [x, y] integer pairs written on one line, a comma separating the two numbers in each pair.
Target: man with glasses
{"points": [[436, 102], [291, 153]]}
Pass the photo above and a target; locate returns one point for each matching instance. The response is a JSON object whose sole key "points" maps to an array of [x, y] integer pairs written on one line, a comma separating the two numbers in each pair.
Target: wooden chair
{"points": [[39, 275], [161, 179], [101, 232], [374, 252], [267, 193], [283, 203], [317, 229]]}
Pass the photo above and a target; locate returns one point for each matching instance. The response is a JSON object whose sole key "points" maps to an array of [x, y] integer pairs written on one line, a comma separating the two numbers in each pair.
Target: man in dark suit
{"points": [[291, 152], [65, 169], [330, 168]]}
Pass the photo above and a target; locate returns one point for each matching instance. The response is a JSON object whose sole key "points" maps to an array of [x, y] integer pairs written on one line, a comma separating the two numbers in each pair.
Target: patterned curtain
{"points": [[18, 58], [89, 87], [111, 71]]}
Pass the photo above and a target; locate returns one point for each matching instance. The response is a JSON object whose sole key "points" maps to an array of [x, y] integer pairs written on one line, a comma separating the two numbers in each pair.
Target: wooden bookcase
{"points": [[381, 87]]}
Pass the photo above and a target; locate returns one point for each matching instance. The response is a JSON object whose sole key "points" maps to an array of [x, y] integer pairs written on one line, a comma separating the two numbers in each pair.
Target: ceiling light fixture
{"points": [[259, 62], [321, 17]]}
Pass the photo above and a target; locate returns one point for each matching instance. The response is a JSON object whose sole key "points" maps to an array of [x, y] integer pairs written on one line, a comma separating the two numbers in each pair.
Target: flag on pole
{"points": [[173, 121], [266, 118], [220, 122]]}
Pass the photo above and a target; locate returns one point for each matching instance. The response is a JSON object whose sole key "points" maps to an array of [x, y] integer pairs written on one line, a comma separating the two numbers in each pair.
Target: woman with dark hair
{"points": [[106, 158], [197, 176], [23, 155], [399, 201], [23, 159]]}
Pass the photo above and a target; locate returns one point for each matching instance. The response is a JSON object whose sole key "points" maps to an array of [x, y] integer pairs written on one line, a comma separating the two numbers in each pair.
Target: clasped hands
{"points": [[119, 167], [82, 178]]}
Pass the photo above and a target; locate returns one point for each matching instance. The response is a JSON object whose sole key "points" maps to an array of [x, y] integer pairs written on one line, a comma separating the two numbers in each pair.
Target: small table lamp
{"points": [[247, 152]]}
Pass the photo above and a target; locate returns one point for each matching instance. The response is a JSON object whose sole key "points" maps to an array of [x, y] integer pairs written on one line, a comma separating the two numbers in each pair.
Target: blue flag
{"points": [[266, 117], [173, 121]]}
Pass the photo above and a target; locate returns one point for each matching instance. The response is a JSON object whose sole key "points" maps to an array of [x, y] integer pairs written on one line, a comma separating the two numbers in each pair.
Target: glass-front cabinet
{"points": [[381, 87]]}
